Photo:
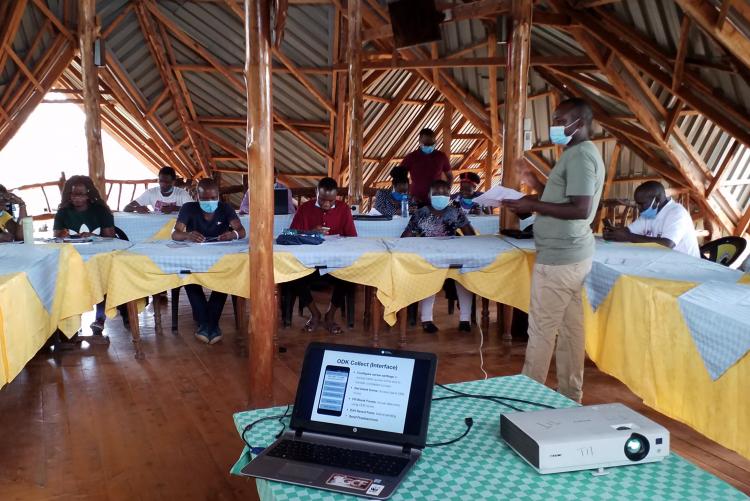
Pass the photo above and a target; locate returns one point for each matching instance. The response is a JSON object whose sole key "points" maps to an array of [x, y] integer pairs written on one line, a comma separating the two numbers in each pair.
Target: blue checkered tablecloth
{"points": [[468, 253], [186, 257], [718, 317], [101, 245], [141, 227], [39, 262], [482, 467], [334, 253], [612, 260]]}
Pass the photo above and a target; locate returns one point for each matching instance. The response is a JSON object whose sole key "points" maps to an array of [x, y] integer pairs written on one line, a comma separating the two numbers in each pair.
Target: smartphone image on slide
{"points": [[332, 393]]}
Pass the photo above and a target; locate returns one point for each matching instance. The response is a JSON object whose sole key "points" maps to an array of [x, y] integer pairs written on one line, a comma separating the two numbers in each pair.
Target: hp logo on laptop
{"points": [[354, 430]]}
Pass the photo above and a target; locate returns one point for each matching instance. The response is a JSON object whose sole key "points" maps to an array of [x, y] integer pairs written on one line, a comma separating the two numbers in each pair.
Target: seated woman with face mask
{"points": [[440, 219], [389, 202]]}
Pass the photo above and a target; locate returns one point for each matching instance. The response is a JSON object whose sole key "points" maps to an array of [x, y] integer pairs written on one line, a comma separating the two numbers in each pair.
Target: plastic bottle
{"points": [[27, 224], [404, 206]]}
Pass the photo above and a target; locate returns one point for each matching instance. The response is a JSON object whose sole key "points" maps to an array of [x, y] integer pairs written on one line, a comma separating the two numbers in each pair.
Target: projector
{"points": [[584, 438]]}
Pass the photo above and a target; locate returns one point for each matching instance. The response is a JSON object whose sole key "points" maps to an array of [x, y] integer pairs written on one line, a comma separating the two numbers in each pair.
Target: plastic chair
{"points": [[724, 250]]}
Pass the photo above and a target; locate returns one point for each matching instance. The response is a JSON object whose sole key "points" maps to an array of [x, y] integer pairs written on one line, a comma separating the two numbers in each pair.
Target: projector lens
{"points": [[636, 447]]}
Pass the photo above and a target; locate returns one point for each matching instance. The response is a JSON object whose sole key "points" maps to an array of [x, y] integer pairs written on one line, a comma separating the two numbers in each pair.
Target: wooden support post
{"points": [[263, 309], [447, 127], [611, 175], [356, 108], [489, 165], [87, 31], [516, 83], [493, 158]]}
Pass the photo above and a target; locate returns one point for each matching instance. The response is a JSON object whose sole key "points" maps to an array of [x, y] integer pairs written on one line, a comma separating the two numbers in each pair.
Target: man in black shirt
{"points": [[208, 219]]}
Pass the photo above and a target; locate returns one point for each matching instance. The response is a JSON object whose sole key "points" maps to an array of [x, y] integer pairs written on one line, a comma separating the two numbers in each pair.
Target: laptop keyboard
{"points": [[326, 455]]}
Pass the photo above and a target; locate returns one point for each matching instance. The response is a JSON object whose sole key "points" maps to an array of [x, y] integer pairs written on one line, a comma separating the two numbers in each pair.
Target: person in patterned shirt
{"points": [[440, 219], [388, 201]]}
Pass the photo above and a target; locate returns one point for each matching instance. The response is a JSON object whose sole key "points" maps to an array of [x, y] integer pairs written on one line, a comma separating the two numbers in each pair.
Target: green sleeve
{"points": [[59, 220], [580, 176]]}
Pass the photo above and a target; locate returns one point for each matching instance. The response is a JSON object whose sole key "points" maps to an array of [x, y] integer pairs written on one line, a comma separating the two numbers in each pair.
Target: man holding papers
{"points": [[564, 247]]}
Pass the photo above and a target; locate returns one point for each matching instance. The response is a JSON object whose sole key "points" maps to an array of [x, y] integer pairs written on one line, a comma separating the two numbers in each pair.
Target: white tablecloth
{"points": [[39, 262], [467, 253]]}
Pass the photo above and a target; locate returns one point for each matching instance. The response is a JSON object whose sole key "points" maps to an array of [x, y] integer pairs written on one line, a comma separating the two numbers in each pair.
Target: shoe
{"points": [[215, 336], [97, 327], [464, 326], [203, 334], [429, 327]]}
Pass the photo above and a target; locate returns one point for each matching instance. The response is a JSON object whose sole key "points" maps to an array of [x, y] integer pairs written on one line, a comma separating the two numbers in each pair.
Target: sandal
{"points": [[333, 328], [311, 325]]}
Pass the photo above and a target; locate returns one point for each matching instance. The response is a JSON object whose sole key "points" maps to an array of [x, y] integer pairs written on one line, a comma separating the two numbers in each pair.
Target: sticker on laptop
{"points": [[342, 480], [375, 489]]}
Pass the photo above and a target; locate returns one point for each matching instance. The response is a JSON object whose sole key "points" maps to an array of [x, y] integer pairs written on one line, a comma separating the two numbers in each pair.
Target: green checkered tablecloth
{"points": [[482, 467]]}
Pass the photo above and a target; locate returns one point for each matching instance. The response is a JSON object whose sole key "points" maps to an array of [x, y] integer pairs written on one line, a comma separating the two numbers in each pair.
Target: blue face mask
{"points": [[557, 134], [439, 202], [399, 197], [427, 149], [651, 212], [209, 206]]}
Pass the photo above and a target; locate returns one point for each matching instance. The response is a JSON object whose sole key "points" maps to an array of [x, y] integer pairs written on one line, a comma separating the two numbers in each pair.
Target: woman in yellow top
{"points": [[10, 230]]}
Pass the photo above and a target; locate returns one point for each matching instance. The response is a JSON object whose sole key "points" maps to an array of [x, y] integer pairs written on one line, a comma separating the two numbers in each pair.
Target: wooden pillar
{"points": [[263, 309], [492, 146], [516, 84], [447, 127], [356, 109], [88, 32]]}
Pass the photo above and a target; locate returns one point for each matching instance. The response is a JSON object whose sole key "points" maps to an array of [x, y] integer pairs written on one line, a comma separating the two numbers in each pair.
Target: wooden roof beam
{"points": [[8, 34], [306, 83], [721, 172], [301, 136], [42, 6], [726, 34]]}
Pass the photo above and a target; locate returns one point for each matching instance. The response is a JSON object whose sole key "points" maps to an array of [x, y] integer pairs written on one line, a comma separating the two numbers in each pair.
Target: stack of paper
{"points": [[496, 195]]}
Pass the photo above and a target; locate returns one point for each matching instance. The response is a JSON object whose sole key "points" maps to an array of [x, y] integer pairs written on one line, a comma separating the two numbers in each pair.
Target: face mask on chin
{"points": [[209, 206], [168, 192], [427, 149], [557, 134], [439, 202]]}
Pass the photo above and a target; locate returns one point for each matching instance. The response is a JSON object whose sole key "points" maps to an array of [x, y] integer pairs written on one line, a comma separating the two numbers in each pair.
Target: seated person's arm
{"points": [[6, 235], [136, 207], [108, 232], [180, 234], [468, 230], [625, 235], [237, 231], [14, 230], [411, 230]]}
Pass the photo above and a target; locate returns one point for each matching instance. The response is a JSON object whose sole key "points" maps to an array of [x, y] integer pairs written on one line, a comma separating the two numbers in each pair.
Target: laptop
{"points": [[280, 202], [359, 422]]}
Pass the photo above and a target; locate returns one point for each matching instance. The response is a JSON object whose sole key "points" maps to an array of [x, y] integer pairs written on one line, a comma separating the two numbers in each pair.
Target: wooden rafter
{"points": [[679, 65], [8, 33], [721, 172], [158, 49], [306, 83]]}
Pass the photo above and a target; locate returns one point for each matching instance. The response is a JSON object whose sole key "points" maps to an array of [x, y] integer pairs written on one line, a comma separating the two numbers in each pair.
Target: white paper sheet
{"points": [[496, 195]]}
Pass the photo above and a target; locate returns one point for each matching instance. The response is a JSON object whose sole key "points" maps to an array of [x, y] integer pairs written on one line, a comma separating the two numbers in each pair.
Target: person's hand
{"points": [[323, 230], [196, 237], [227, 236], [142, 209], [616, 234], [168, 208], [86, 234], [521, 206]]}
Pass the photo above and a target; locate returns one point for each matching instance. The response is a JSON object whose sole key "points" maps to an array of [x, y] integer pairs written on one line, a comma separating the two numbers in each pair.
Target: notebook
{"points": [[359, 422]]}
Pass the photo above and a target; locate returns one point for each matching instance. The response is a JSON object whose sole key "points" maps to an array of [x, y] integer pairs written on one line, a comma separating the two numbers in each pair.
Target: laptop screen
{"points": [[367, 393]]}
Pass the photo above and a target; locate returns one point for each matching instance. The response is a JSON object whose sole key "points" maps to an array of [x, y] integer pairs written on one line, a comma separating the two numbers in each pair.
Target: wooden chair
{"points": [[620, 212]]}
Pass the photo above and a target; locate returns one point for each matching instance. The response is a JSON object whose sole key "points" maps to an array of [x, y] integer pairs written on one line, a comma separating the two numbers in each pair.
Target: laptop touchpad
{"points": [[300, 472]]}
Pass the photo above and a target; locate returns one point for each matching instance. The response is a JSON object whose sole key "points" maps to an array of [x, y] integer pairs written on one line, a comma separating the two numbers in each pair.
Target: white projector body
{"points": [[584, 438]]}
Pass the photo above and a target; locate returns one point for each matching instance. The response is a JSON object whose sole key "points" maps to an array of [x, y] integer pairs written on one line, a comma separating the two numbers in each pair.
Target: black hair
{"points": [[582, 107], [470, 176], [652, 187], [400, 175], [440, 183], [426, 132], [168, 171], [327, 184], [207, 183], [93, 194]]}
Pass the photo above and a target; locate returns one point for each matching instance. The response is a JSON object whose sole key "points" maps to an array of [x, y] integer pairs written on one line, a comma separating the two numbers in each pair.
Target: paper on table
{"points": [[496, 195]]}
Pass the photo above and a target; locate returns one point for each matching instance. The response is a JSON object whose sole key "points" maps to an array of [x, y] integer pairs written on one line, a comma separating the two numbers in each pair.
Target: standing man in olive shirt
{"points": [[564, 248]]}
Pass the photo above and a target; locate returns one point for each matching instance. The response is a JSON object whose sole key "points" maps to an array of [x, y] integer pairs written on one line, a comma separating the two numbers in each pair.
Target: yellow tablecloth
{"points": [[25, 324], [507, 280], [638, 335]]}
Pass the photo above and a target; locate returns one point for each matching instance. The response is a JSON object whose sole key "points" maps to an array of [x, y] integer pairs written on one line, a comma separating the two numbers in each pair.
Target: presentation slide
{"points": [[363, 391]]}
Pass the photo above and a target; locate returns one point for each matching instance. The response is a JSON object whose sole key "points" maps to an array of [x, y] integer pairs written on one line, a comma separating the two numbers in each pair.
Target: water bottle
{"points": [[27, 224], [404, 206]]}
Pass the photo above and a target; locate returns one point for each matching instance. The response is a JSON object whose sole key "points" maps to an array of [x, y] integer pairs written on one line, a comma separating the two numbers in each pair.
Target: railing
{"points": [[121, 183]]}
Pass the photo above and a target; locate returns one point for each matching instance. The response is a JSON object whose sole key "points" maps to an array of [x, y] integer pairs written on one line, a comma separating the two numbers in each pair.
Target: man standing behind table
{"points": [[661, 221], [425, 166], [564, 247], [165, 198]]}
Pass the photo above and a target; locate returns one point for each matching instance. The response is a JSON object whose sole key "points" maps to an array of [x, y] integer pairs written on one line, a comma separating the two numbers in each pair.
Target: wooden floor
{"points": [[96, 424]]}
